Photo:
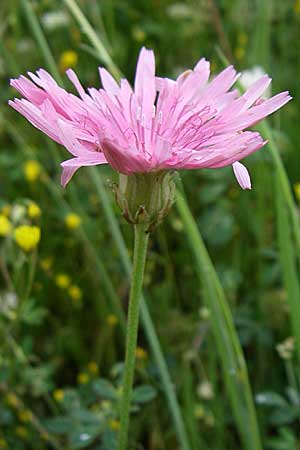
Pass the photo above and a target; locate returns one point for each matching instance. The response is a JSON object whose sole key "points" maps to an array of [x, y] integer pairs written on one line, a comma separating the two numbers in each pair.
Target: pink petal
{"points": [[144, 86], [108, 82], [75, 81], [70, 166], [242, 175]]}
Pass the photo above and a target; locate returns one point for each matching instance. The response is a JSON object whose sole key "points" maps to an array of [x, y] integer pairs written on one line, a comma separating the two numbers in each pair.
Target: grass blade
{"points": [[288, 263], [230, 352]]}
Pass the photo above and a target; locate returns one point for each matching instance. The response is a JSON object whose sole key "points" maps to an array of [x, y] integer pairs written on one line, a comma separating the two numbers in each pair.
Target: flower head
{"points": [[33, 210], [27, 237], [72, 221], [67, 59], [32, 170], [159, 124], [62, 280], [5, 225], [75, 292]]}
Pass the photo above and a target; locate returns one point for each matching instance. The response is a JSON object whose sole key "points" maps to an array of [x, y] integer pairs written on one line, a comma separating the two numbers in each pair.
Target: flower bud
{"points": [[146, 197]]}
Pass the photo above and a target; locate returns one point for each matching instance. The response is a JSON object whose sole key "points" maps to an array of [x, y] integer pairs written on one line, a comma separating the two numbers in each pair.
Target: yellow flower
{"points": [[12, 400], [27, 237], [34, 211], [199, 411], [243, 39], [140, 353], [68, 59], [25, 415], [5, 225], [239, 53], [297, 190], [114, 424], [6, 209], [3, 443], [72, 221], [62, 280], [111, 320], [75, 292], [177, 224], [44, 436], [138, 34], [58, 395], [106, 405], [21, 432], [46, 263], [93, 367], [32, 170], [83, 378], [297, 7]]}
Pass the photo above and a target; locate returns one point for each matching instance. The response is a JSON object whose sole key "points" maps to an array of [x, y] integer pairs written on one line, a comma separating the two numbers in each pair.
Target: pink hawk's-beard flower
{"points": [[160, 124]]}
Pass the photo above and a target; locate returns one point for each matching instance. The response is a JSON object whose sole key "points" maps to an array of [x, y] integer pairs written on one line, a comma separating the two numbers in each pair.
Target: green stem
{"points": [[31, 273], [147, 322], [230, 351], [141, 237]]}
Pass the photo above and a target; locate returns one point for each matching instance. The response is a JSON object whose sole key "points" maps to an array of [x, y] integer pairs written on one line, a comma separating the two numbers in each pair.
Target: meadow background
{"points": [[63, 302]]}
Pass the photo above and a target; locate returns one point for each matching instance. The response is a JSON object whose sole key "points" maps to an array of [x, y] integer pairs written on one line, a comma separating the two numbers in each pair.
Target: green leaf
{"points": [[32, 314], [59, 425], [271, 399], [143, 394], [104, 389]]}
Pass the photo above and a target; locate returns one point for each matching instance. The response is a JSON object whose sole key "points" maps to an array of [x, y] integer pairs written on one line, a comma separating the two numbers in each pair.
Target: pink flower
{"points": [[161, 124]]}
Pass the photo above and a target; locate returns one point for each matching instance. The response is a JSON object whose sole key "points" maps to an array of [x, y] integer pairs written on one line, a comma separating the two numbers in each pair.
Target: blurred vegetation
{"points": [[61, 332]]}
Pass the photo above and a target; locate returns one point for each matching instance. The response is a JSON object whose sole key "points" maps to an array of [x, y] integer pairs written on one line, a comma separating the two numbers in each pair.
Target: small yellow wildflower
{"points": [[114, 424], [213, 66], [177, 224], [93, 367], [25, 415], [297, 7], [209, 420], [45, 436], [12, 400], [34, 211], [138, 34], [5, 225], [239, 53], [242, 39], [32, 170], [46, 264], [199, 411], [6, 209], [67, 59], [106, 405], [72, 221], [27, 237], [140, 353], [3, 443], [58, 395], [62, 280], [297, 191], [83, 378], [75, 292], [111, 320], [21, 432]]}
